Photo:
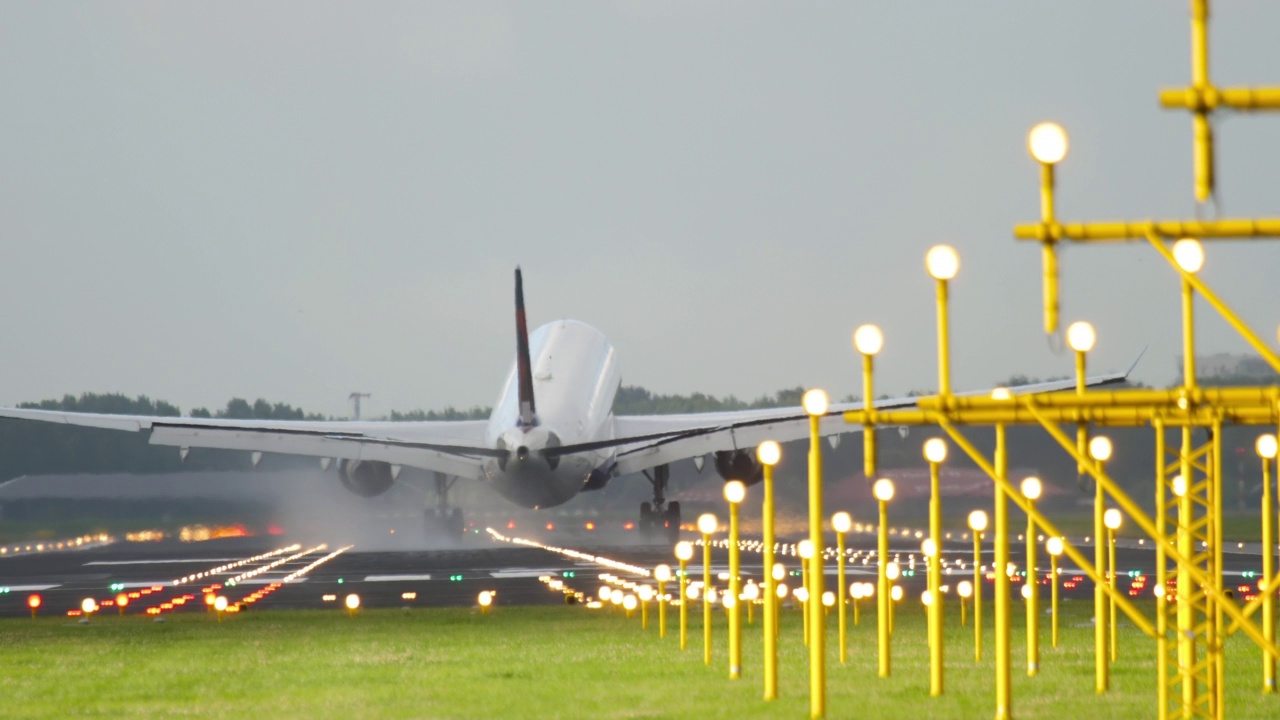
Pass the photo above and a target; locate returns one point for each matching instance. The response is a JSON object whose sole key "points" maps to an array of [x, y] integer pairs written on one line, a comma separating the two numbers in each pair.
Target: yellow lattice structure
{"points": [[1194, 612]]}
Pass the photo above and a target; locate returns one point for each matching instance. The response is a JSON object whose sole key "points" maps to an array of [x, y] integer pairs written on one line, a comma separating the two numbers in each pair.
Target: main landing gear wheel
{"points": [[660, 520], [443, 519]]}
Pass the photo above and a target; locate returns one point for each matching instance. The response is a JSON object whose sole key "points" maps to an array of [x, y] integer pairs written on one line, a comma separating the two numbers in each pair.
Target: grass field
{"points": [[542, 662]]}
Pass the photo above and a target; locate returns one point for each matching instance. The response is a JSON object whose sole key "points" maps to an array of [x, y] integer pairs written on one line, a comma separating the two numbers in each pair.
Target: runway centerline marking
{"points": [[160, 562], [395, 578]]}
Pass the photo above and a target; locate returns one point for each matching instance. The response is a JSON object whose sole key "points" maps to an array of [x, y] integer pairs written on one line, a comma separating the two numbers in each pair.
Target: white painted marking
{"points": [[29, 588], [395, 578], [163, 562]]}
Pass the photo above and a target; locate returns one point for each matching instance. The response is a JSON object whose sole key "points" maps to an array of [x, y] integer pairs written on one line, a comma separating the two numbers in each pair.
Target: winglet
{"points": [[524, 366], [1136, 360]]}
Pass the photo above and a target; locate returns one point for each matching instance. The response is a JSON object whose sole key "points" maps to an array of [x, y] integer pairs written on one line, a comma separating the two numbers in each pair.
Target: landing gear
{"points": [[443, 518], [660, 520]]}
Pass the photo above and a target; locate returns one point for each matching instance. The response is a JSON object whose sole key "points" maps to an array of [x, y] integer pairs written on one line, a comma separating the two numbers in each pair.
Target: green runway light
{"points": [[340, 581], [569, 573], [455, 578]]}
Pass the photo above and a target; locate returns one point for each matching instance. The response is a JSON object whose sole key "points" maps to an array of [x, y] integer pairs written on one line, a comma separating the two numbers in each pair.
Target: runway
{"points": [[267, 572]]}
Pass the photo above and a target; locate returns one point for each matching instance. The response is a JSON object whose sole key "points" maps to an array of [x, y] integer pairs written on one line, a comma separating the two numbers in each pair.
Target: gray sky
{"points": [[298, 200]]}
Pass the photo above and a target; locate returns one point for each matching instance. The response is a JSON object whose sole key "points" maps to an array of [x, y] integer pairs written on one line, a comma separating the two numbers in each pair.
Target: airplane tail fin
{"points": [[524, 365]]}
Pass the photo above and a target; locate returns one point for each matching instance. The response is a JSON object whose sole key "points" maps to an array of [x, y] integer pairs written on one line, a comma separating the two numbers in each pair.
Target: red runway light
{"points": [[591, 526], [33, 601], [551, 526], [511, 524]]}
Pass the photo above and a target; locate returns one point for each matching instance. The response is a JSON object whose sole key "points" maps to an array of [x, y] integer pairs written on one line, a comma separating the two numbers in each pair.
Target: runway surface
{"points": [[282, 572]]}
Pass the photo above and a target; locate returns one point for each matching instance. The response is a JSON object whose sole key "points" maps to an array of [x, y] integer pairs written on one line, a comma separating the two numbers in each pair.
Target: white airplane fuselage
{"points": [[575, 379]]}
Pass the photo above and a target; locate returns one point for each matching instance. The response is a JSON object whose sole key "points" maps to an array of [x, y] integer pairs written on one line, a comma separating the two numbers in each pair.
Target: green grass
{"points": [[544, 662]]}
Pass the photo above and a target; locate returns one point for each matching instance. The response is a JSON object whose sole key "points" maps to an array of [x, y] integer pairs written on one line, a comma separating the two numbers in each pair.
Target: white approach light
{"points": [[735, 491], [769, 453], [883, 489], [684, 550], [816, 402], [892, 571], [977, 521], [804, 549], [1001, 393], [965, 588], [1055, 546], [1026, 592], [800, 594], [1031, 488], [841, 522], [868, 339], [779, 571], [1112, 519], [781, 590], [929, 547], [1266, 446], [1047, 143], [1081, 336], [829, 598], [926, 597], [935, 450], [1189, 254], [707, 523], [662, 573], [1100, 448], [1179, 485], [896, 593], [942, 262]]}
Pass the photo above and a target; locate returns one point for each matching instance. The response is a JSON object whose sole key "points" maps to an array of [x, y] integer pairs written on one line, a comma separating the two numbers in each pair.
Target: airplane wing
{"points": [[646, 441], [455, 448]]}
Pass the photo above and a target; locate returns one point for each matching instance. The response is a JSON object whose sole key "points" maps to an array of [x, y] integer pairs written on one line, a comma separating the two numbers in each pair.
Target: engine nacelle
{"points": [[366, 478], [739, 465]]}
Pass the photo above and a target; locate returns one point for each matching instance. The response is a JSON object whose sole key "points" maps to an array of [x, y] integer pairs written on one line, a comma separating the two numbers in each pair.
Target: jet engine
{"points": [[739, 465], [366, 478]]}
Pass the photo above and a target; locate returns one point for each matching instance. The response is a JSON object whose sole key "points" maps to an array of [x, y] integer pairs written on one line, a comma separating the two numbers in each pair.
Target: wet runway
{"points": [[266, 572]]}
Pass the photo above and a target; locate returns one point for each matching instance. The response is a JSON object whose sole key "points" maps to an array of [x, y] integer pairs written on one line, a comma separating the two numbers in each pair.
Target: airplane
{"points": [[551, 435]]}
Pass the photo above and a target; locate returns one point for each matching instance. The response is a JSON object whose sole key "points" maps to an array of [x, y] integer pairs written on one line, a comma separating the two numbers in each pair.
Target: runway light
{"points": [[352, 602], [409, 596], [841, 522], [828, 599], [707, 524], [1031, 488], [804, 549], [883, 489], [1081, 336], [896, 593], [1189, 254], [926, 597], [1100, 448], [892, 571], [662, 573], [935, 450], [977, 521], [684, 550], [1055, 546], [769, 453], [1266, 446], [929, 547], [735, 491], [868, 339], [1047, 143], [1112, 519], [942, 262], [1026, 591], [88, 605], [781, 590], [219, 604], [816, 402], [590, 525], [965, 588], [1179, 485]]}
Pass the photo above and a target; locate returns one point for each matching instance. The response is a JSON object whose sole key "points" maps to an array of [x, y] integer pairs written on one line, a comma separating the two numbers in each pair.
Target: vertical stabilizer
{"points": [[524, 366]]}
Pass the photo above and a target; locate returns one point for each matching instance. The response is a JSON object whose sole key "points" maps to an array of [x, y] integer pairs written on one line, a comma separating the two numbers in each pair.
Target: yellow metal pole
{"points": [[963, 618], [1187, 659], [770, 593], [857, 615], [977, 596], [1203, 133], [1004, 659], [935, 609], [684, 604], [1111, 601], [644, 614], [1053, 602], [882, 591], [944, 362], [1216, 630], [842, 598], [1049, 250], [1101, 668], [804, 606], [1033, 616], [1162, 578], [1082, 433], [1268, 577], [817, 621], [706, 605], [662, 611], [869, 430], [735, 612]]}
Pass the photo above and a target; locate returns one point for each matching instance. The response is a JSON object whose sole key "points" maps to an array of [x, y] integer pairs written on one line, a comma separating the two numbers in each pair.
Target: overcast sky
{"points": [[299, 200]]}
